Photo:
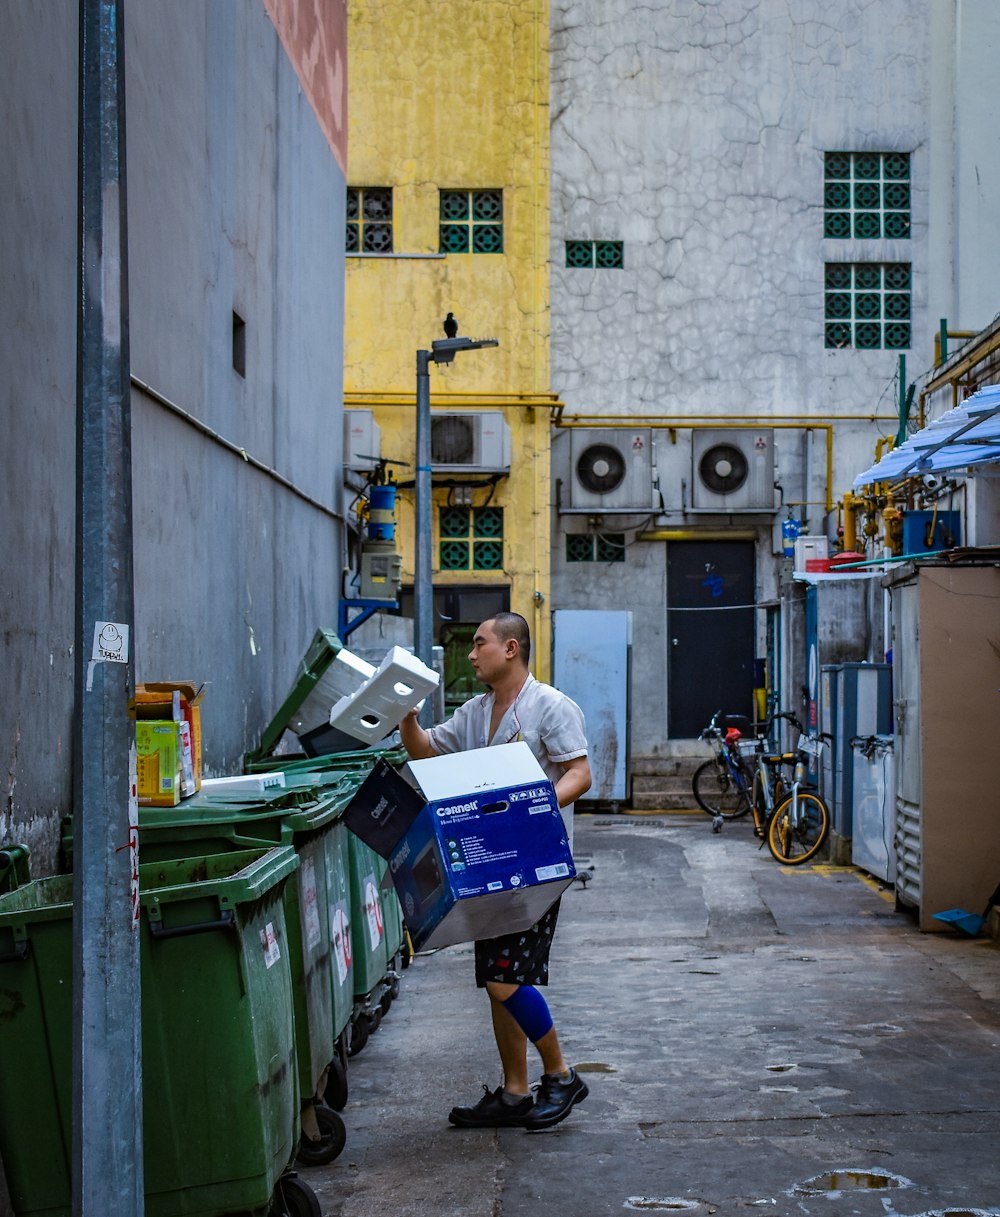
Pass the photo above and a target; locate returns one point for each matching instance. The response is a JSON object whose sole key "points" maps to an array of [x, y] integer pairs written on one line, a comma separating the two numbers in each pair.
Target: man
{"points": [[517, 707]]}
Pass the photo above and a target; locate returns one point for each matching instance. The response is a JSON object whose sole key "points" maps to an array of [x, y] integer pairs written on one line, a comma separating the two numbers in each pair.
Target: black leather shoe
{"points": [[556, 1099], [492, 1112]]}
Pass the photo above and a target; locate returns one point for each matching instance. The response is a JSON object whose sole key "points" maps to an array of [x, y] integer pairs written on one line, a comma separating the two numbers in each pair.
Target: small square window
{"points": [[867, 305], [866, 195], [608, 255], [369, 220], [471, 221]]}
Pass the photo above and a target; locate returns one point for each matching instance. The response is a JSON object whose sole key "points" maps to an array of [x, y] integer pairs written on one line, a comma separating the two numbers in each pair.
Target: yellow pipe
{"points": [[695, 534], [850, 522], [965, 364]]}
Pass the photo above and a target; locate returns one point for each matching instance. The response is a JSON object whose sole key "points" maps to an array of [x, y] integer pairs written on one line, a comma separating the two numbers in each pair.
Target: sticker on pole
{"points": [[269, 941], [310, 909], [340, 932], [373, 909], [110, 646]]}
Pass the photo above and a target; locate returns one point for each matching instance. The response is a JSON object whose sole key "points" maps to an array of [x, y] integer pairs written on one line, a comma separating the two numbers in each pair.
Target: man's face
{"points": [[488, 654]]}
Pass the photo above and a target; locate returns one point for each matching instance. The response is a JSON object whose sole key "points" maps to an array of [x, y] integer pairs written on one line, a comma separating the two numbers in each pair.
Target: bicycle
{"points": [[722, 784], [801, 821], [769, 786]]}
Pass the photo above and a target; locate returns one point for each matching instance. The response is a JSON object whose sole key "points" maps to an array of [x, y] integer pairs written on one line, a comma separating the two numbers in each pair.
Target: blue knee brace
{"points": [[530, 1012]]}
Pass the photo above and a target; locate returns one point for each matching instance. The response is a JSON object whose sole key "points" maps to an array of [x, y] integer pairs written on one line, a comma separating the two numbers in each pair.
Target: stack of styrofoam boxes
{"points": [[345, 675], [399, 683]]}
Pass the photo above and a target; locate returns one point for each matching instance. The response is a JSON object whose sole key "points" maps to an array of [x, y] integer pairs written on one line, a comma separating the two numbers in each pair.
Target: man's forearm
{"points": [[415, 739]]}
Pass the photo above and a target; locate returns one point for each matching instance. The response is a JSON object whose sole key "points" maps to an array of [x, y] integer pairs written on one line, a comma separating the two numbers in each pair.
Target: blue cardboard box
{"points": [[476, 848]]}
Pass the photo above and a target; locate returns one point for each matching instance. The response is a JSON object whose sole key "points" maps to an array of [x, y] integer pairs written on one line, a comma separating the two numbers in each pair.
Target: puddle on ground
{"points": [[595, 1067], [662, 1204], [850, 1180], [778, 1068]]}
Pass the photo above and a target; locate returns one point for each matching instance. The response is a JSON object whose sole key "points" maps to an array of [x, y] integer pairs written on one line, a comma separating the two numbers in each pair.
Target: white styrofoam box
{"points": [[248, 783], [810, 548], [344, 676], [440, 777], [379, 706]]}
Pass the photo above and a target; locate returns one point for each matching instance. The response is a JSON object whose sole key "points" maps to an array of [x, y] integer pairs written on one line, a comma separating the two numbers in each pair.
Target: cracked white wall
{"points": [[694, 131]]}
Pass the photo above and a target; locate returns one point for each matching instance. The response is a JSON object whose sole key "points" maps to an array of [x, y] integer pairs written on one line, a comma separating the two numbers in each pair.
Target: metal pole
{"points": [[107, 1069], [423, 590]]}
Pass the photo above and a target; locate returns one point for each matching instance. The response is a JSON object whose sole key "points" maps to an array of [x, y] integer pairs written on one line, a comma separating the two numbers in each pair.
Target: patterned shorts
{"points": [[518, 959]]}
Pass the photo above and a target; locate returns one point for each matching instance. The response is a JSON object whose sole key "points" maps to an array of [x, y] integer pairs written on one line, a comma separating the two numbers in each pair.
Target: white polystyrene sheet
{"points": [[380, 704], [442, 777]]}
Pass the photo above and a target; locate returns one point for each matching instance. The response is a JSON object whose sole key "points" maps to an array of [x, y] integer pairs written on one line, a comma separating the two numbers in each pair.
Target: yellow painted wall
{"points": [[455, 95]]}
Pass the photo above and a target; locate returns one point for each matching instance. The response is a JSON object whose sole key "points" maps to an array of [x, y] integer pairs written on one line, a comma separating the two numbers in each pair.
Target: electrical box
{"points": [[924, 531], [381, 574]]}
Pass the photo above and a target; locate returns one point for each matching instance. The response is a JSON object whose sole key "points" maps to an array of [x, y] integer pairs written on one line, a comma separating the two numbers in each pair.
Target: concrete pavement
{"points": [[755, 1039]]}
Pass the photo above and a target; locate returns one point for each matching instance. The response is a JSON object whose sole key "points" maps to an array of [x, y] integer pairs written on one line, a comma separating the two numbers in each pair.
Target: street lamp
{"points": [[442, 351]]}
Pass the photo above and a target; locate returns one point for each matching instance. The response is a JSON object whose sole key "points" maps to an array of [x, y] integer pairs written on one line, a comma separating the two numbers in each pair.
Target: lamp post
{"points": [[442, 351]]}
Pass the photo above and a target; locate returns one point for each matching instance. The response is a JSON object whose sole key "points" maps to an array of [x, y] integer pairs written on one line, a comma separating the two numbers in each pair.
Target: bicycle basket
{"points": [[749, 747]]}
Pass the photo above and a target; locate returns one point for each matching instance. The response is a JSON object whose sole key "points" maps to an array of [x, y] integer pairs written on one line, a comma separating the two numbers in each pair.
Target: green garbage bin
{"points": [[378, 938], [220, 1110], [307, 818]]}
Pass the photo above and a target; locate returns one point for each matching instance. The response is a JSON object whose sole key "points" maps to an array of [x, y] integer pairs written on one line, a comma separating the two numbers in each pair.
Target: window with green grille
{"points": [[471, 221], [470, 538], [605, 255], [369, 219], [595, 547], [866, 195], [867, 305]]}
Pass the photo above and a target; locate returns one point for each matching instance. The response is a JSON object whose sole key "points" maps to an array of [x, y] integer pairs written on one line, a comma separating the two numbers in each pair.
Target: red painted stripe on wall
{"points": [[314, 35]]}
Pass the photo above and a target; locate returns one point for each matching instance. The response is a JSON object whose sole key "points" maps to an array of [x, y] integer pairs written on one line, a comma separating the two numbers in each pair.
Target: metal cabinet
{"points": [[946, 673]]}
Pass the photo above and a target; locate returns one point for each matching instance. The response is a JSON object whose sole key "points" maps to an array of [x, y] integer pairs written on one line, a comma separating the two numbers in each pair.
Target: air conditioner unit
{"points": [[732, 469], [469, 443], [362, 440], [611, 470]]}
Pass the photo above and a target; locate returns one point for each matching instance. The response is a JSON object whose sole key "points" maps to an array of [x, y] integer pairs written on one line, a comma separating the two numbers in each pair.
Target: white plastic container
{"points": [[399, 683]]}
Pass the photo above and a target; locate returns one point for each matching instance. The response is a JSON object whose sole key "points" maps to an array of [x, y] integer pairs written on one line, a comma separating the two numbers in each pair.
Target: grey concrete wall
{"points": [[236, 202]]}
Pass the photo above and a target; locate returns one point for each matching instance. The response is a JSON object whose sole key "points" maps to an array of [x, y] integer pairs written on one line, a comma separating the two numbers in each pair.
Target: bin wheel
{"points": [[360, 1031], [336, 1084], [384, 1002], [394, 988], [293, 1197], [333, 1138]]}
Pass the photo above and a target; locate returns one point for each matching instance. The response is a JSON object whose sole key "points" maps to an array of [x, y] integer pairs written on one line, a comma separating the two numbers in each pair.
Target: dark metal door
{"points": [[710, 643]]}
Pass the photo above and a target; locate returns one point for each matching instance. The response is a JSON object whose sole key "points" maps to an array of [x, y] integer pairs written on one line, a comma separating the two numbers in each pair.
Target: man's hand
{"points": [[415, 739]]}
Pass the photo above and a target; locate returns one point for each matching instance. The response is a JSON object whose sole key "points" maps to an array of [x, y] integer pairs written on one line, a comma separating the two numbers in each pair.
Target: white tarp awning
{"points": [[967, 435]]}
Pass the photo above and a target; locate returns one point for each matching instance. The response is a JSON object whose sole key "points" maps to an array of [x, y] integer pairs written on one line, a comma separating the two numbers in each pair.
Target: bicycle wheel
{"points": [[796, 843], [717, 794], [761, 822]]}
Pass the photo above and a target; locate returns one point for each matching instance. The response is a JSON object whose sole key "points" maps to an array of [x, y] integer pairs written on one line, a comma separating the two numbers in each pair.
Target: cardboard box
{"points": [[478, 848], [177, 700], [158, 762]]}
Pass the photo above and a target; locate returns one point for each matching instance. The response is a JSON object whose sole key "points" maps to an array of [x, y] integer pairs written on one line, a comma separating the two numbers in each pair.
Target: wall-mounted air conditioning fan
{"points": [[470, 443], [611, 470], [732, 470], [362, 440]]}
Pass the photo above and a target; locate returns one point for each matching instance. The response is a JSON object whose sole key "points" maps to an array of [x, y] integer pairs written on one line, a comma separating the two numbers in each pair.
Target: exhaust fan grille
{"points": [[723, 469], [600, 468], [453, 440]]}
